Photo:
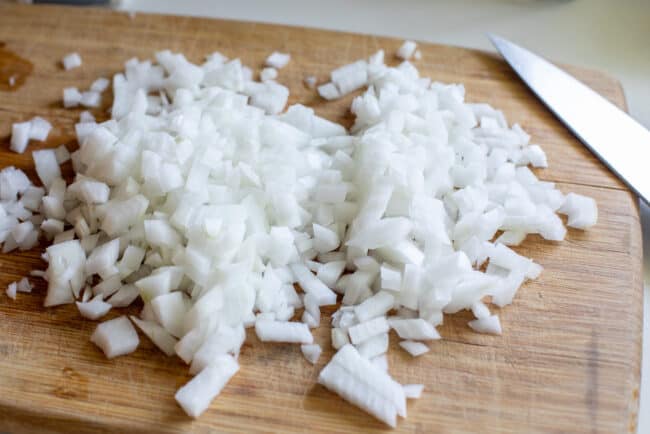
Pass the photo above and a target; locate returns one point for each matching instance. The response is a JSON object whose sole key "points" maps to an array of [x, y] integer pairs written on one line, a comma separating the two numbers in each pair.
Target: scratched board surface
{"points": [[568, 360]]}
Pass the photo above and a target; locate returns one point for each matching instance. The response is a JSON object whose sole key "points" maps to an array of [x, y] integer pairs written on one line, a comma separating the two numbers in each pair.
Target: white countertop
{"points": [[603, 34]]}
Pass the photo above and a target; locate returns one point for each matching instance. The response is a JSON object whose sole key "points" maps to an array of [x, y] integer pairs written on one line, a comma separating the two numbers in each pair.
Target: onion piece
{"points": [[377, 305], [373, 347], [351, 77], [277, 60], [223, 340], [489, 324], [158, 335], [414, 348], [39, 129], [47, 167], [169, 310], [406, 50], [116, 337], [94, 309], [413, 391], [330, 272], [311, 352], [71, 97], [363, 384], [100, 85], [124, 296], [90, 99], [391, 278], [70, 61], [414, 329], [103, 258], [65, 273], [329, 91], [195, 396], [11, 290], [366, 330], [283, 331], [24, 285], [339, 338], [20, 136], [581, 211], [268, 74], [325, 239], [312, 285], [310, 81]]}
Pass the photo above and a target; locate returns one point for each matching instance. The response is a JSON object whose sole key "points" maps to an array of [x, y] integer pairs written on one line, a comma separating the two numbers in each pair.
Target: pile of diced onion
{"points": [[206, 199]]}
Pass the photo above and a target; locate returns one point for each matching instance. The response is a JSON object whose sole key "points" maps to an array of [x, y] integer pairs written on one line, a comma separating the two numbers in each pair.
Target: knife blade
{"points": [[619, 141]]}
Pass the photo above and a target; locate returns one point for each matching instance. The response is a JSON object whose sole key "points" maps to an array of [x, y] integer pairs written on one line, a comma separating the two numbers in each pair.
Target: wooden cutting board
{"points": [[569, 357]]}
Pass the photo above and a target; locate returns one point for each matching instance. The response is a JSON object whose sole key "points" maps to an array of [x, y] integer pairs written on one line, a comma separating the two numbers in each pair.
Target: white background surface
{"points": [[613, 36]]}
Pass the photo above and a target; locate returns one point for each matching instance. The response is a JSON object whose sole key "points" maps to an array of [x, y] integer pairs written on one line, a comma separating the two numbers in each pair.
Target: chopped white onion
{"points": [[70, 61], [39, 129], [489, 324], [20, 136], [310, 81], [373, 347], [62, 154], [390, 278], [170, 310], [24, 285], [206, 199], [11, 290], [283, 331], [351, 77], [85, 116], [415, 329], [223, 340], [581, 211], [47, 167], [339, 338], [363, 384], [116, 337], [195, 396], [329, 91], [366, 330], [413, 391], [414, 348], [65, 272], [71, 97], [124, 296], [312, 285], [268, 74], [375, 306], [406, 50], [158, 335], [100, 85], [94, 309], [278, 60], [108, 286], [330, 272], [90, 99], [311, 352], [22, 132]]}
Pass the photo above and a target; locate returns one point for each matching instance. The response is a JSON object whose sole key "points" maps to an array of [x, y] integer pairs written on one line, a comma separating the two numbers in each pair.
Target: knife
{"points": [[619, 141]]}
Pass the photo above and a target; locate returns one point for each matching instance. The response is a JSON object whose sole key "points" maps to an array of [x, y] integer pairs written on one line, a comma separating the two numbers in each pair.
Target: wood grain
{"points": [[569, 358]]}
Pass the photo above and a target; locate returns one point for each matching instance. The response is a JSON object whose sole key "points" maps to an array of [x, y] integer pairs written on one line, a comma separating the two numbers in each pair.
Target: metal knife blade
{"points": [[619, 141]]}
